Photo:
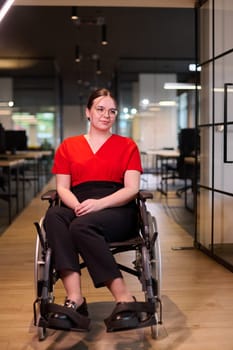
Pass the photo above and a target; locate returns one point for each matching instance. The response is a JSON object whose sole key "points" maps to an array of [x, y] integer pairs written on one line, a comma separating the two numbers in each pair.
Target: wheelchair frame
{"points": [[146, 266]]}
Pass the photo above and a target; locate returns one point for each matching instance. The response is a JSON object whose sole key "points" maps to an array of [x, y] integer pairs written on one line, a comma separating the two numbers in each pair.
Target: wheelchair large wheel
{"points": [[39, 262], [149, 288], [155, 256], [151, 264], [42, 278], [46, 295]]}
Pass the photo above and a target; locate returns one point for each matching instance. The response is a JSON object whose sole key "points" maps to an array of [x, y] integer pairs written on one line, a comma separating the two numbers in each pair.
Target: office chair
{"points": [[188, 146], [187, 139]]}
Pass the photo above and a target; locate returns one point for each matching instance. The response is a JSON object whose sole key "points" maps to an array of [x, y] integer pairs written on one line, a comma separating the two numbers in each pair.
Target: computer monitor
{"points": [[15, 140]]}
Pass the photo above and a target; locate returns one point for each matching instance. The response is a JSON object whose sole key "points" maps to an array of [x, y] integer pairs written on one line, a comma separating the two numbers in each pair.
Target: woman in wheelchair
{"points": [[97, 180]]}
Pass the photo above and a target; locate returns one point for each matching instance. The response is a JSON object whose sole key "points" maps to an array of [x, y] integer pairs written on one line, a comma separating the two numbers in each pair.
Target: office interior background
{"points": [[49, 63]]}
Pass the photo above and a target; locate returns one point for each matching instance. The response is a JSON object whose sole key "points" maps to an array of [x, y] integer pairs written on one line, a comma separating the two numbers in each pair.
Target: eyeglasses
{"points": [[112, 112]]}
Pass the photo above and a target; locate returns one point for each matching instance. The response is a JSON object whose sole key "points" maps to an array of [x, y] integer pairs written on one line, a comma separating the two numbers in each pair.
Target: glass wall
{"points": [[215, 121]]}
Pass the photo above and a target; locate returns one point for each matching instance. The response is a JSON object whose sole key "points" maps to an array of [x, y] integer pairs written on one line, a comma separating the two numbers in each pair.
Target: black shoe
{"points": [[70, 316], [130, 315], [81, 309]]}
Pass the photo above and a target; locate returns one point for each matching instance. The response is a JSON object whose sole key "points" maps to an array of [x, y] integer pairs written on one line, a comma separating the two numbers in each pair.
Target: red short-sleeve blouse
{"points": [[75, 157]]}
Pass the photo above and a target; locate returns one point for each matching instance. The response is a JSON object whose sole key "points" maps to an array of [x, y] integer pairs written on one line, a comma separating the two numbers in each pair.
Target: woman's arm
{"points": [[116, 199], [63, 189], [125, 194]]}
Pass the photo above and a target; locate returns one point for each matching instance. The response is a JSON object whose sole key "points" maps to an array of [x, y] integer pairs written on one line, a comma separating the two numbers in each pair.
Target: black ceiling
{"points": [[36, 41]]}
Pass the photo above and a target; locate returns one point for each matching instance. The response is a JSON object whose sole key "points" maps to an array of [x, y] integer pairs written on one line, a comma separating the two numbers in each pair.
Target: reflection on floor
{"points": [[224, 251]]}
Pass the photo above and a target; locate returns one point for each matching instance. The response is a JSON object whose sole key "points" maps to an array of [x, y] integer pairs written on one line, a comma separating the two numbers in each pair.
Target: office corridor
{"points": [[196, 294]]}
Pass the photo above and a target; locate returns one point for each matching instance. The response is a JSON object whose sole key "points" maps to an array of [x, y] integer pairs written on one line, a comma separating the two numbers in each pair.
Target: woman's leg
{"points": [[72, 284], [94, 250], [57, 222], [74, 314], [119, 290], [90, 234]]}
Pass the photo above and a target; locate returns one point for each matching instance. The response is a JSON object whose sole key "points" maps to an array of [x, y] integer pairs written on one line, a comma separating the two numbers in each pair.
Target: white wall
{"points": [[156, 129], [74, 121]]}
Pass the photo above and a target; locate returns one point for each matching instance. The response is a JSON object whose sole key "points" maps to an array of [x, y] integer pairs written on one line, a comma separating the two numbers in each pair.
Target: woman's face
{"points": [[102, 113]]}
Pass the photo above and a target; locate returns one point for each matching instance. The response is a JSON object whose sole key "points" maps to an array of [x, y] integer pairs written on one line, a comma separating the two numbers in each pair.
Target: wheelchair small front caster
{"points": [[41, 331], [154, 331]]}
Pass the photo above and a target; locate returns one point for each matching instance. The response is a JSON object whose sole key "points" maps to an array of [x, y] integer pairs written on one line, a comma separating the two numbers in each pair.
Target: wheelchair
{"points": [[146, 266]]}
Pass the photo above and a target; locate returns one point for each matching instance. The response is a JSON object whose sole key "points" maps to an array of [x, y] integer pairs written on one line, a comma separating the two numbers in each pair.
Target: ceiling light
{"points": [[222, 90], [28, 118], [18, 63], [5, 6], [95, 56], [154, 109], [167, 103], [180, 86], [145, 102], [77, 54], [74, 15], [104, 35], [193, 68], [133, 111], [98, 69]]}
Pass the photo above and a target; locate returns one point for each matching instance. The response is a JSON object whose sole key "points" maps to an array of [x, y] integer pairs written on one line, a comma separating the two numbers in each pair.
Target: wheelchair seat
{"points": [[146, 267]]}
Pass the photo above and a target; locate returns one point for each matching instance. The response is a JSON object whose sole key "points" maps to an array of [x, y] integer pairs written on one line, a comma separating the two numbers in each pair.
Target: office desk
{"points": [[9, 165], [30, 157], [154, 162], [42, 160], [162, 156], [165, 157]]}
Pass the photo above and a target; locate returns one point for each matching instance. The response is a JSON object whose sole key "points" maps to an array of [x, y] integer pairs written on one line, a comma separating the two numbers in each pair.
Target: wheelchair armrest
{"points": [[144, 195], [50, 196]]}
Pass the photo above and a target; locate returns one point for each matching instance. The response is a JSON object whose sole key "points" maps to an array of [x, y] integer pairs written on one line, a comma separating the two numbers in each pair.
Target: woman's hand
{"points": [[87, 206]]}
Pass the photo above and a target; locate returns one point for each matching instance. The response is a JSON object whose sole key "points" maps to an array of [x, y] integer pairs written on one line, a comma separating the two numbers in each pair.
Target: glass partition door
{"points": [[215, 121]]}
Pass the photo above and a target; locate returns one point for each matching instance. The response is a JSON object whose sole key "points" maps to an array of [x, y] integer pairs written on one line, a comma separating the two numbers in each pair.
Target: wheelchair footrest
{"points": [[131, 315], [59, 317]]}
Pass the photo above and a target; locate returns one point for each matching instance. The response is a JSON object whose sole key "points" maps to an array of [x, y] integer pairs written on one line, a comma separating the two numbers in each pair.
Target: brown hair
{"points": [[98, 93]]}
